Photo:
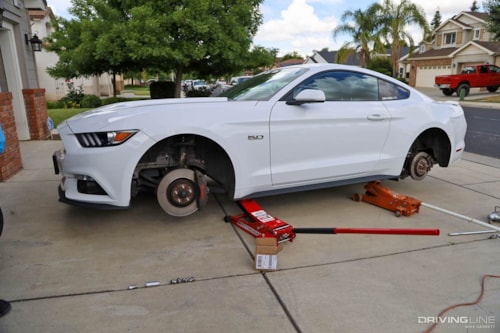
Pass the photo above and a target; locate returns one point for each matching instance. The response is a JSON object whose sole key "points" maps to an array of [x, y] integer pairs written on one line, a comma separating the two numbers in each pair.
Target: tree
{"points": [[381, 65], [474, 7], [90, 44], [395, 17], [208, 37], [203, 36], [362, 27], [492, 7], [435, 23], [291, 55], [261, 58], [343, 54]]}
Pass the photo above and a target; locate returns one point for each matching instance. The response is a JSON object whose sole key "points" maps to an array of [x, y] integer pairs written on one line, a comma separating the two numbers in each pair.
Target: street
{"points": [[483, 131], [483, 123]]}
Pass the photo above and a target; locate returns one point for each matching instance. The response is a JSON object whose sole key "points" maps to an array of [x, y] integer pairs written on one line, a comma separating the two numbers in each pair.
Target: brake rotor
{"points": [[421, 164], [177, 192]]}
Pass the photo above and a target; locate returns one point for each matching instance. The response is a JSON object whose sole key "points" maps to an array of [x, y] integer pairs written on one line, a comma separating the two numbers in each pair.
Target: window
{"points": [[469, 70], [353, 86], [449, 38], [390, 91], [263, 86], [343, 86], [494, 69], [477, 34]]}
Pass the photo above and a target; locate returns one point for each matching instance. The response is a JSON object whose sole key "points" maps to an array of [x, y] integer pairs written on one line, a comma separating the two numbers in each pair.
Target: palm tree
{"points": [[362, 27], [395, 17], [343, 53]]}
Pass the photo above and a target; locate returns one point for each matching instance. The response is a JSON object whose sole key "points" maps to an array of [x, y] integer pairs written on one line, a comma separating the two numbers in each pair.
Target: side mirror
{"points": [[308, 96]]}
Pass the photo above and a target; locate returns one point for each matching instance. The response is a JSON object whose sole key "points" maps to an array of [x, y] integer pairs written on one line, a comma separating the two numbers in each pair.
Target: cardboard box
{"points": [[266, 241], [266, 250]]}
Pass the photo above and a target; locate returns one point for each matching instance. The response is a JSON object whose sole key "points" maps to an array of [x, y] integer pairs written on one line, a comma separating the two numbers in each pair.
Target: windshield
{"points": [[199, 83], [263, 86]]}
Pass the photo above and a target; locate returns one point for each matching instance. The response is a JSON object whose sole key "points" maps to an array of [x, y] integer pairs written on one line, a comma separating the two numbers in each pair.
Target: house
{"points": [[459, 41], [23, 110], [330, 57], [41, 18], [353, 59], [289, 62]]}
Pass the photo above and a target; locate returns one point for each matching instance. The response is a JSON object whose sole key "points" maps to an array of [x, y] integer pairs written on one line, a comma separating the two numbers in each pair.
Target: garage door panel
{"points": [[426, 74]]}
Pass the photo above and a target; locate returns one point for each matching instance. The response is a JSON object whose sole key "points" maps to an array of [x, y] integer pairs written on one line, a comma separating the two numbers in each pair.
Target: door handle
{"points": [[376, 117]]}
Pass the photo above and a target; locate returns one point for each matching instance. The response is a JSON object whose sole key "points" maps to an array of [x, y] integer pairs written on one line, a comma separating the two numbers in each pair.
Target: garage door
{"points": [[426, 74]]}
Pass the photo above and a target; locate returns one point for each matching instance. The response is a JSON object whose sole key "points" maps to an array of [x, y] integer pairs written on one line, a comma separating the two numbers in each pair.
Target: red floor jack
{"points": [[260, 224], [381, 196]]}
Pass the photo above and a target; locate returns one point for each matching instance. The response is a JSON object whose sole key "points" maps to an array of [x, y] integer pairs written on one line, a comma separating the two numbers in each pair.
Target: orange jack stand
{"points": [[381, 196]]}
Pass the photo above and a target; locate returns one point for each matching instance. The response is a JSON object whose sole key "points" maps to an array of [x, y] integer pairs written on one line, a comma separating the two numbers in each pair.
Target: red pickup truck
{"points": [[474, 76]]}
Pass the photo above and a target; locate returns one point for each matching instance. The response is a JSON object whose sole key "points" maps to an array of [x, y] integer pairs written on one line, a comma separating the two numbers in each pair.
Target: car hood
{"points": [[105, 116]]}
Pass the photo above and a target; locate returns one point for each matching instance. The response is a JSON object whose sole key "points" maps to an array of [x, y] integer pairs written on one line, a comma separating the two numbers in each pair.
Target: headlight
{"points": [[104, 139]]}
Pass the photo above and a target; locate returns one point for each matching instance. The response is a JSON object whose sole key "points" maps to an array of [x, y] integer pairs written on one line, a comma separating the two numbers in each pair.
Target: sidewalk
{"points": [[68, 269]]}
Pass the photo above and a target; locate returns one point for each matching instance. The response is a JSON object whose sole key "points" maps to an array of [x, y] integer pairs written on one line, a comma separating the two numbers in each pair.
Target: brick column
{"points": [[36, 111], [10, 160]]}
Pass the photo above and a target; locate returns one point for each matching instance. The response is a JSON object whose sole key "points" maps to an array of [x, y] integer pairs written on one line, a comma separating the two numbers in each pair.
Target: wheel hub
{"points": [[421, 164], [177, 193], [181, 192], [422, 167]]}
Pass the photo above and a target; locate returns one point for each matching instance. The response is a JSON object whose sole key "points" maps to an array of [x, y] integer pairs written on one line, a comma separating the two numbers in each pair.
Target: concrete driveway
{"points": [[68, 269]]}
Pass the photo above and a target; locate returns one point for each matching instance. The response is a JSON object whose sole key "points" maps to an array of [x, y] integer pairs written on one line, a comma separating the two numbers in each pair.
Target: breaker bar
{"points": [[260, 224]]}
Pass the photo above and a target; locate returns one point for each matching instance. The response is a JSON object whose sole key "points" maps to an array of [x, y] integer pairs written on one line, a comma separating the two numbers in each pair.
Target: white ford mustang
{"points": [[288, 129]]}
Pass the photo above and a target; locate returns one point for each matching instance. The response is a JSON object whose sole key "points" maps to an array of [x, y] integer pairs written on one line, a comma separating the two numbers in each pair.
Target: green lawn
{"points": [[494, 99], [138, 91], [59, 115]]}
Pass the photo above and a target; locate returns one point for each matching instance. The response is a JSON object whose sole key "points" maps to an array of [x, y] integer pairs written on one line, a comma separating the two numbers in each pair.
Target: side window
{"points": [[390, 91], [343, 86], [494, 69]]}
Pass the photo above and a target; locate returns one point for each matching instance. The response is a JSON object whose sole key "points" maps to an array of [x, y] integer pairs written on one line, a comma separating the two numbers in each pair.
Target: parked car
{"points": [[187, 85], [238, 79], [289, 129], [219, 88], [473, 76], [200, 85]]}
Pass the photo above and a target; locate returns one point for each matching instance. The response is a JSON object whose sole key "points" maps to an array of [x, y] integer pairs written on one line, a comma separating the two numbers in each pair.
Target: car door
{"points": [[339, 139], [494, 76]]}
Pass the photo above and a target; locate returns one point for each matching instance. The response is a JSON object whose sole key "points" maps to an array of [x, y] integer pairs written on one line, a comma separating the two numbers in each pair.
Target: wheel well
{"points": [[436, 143], [187, 151]]}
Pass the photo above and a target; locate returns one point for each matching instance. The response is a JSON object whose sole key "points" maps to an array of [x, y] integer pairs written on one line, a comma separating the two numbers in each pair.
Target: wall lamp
{"points": [[36, 43], [1, 17]]}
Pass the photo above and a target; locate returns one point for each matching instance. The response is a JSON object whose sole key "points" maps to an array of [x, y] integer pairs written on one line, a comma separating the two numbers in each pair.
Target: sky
{"points": [[303, 26]]}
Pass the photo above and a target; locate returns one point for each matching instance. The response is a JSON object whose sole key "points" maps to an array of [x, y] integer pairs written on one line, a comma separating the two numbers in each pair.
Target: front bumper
{"points": [[442, 86], [57, 160], [97, 177], [62, 198]]}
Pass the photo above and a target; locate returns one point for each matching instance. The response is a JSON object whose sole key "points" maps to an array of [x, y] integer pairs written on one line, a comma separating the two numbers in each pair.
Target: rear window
{"points": [[390, 91], [468, 70]]}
